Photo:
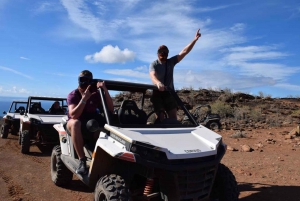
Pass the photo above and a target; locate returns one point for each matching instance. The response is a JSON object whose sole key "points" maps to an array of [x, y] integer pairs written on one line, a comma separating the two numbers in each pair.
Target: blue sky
{"points": [[248, 46]]}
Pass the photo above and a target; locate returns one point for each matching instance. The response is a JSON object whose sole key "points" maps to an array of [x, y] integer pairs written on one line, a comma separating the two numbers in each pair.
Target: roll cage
{"points": [[140, 88]]}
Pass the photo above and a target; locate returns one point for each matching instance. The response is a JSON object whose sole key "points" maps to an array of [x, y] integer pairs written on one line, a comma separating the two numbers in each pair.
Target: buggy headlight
{"points": [[34, 121], [148, 153], [133, 148]]}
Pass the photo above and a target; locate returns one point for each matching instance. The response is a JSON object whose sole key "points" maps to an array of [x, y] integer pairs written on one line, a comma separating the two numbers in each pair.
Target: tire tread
{"points": [[4, 130], [225, 187], [25, 142], [113, 187], [62, 176]]}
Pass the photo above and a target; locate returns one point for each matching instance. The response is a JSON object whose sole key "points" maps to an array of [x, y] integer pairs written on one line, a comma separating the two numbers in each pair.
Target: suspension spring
{"points": [[149, 186]]}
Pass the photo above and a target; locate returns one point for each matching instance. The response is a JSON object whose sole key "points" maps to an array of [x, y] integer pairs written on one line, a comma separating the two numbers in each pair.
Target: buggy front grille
{"points": [[195, 183]]}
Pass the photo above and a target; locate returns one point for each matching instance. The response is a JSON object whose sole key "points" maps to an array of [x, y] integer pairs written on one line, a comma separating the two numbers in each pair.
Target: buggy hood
{"points": [[14, 115], [177, 143], [48, 119]]}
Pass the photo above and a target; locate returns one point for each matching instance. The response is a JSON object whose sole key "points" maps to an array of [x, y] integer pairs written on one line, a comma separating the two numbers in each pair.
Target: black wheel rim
{"points": [[214, 126]]}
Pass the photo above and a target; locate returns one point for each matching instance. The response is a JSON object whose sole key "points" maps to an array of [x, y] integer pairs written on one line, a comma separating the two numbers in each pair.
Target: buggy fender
{"points": [[5, 119], [24, 123], [64, 144], [114, 148], [108, 156]]}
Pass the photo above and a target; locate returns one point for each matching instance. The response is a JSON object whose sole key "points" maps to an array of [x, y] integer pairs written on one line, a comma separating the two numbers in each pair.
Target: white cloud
{"points": [[288, 86], [142, 68], [238, 27], [136, 19], [15, 72], [250, 56], [136, 26], [24, 58], [110, 54], [80, 14], [47, 6], [221, 50], [273, 70], [258, 61], [209, 9], [128, 73], [219, 79], [250, 49], [14, 91]]}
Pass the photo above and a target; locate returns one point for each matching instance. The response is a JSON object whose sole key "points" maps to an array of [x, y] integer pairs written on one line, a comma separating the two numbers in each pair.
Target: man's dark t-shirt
{"points": [[91, 105]]}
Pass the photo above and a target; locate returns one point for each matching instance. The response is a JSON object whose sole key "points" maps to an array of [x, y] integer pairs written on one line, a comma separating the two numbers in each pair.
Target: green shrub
{"points": [[240, 113], [221, 108], [255, 115]]}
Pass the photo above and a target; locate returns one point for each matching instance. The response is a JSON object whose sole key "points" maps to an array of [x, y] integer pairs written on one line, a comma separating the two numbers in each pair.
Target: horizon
{"points": [[260, 94], [247, 47]]}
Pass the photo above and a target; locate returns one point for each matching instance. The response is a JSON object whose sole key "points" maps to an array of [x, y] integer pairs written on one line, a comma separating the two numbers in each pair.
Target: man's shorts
{"points": [[163, 100]]}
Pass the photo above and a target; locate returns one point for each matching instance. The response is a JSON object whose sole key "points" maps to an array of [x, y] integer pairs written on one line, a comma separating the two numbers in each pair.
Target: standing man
{"points": [[82, 104], [161, 73]]}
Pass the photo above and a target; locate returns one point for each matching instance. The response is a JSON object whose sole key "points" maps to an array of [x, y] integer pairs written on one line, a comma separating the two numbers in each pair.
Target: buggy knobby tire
{"points": [[214, 125], [20, 137], [4, 131], [225, 186], [60, 174], [111, 188], [25, 142]]}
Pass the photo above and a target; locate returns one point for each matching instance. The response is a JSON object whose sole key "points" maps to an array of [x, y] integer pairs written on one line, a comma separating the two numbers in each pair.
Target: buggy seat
{"points": [[20, 109], [129, 113]]}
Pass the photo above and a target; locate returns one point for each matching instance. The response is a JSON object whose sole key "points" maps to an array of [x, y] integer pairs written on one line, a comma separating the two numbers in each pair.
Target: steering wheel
{"points": [[160, 111]]}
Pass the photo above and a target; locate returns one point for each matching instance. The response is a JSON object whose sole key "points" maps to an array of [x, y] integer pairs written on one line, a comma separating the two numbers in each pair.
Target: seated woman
{"points": [[56, 109], [36, 109]]}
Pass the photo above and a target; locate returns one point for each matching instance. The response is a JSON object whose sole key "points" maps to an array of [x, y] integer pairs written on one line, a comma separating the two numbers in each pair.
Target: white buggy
{"points": [[36, 122], [12, 118], [136, 159]]}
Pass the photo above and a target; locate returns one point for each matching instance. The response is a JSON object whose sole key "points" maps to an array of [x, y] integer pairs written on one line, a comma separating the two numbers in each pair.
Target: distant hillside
{"points": [[242, 111], [237, 110]]}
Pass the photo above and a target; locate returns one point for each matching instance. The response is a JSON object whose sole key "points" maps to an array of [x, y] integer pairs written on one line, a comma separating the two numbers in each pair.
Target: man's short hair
{"points": [[86, 73], [162, 47]]}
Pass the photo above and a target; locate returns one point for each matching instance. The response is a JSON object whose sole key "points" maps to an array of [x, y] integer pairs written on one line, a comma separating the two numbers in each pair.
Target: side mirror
{"points": [[4, 112]]}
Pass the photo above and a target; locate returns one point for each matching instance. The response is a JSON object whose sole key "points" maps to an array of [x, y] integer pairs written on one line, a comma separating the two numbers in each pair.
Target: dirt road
{"points": [[27, 177], [269, 172]]}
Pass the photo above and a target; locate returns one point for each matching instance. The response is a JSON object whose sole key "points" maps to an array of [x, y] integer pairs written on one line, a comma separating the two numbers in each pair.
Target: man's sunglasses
{"points": [[163, 52], [84, 79]]}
